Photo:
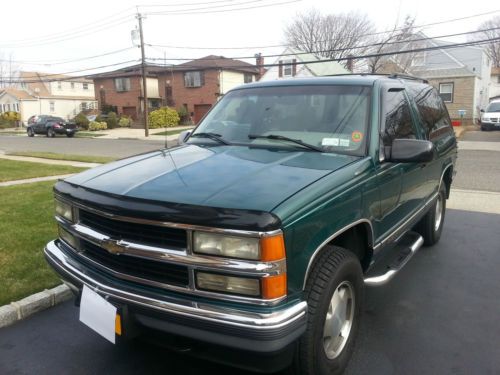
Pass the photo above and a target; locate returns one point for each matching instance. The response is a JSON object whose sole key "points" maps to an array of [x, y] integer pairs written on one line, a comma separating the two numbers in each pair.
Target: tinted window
{"points": [[397, 117], [433, 113]]}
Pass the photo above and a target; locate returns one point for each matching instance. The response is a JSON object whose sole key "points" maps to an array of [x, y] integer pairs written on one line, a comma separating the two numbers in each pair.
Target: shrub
{"points": [[96, 125], [184, 116], [163, 117], [82, 121], [106, 108], [124, 122], [112, 120], [9, 119]]}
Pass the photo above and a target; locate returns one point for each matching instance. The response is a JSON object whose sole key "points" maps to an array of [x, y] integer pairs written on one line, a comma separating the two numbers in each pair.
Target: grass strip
{"points": [[26, 225], [11, 170], [56, 156]]}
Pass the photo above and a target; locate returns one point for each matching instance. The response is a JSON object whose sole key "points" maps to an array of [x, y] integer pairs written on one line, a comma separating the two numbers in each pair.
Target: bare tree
{"points": [[493, 47], [400, 37], [330, 36], [8, 71]]}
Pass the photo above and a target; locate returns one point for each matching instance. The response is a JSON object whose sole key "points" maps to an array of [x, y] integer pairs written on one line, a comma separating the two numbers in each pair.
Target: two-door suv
{"points": [[252, 241]]}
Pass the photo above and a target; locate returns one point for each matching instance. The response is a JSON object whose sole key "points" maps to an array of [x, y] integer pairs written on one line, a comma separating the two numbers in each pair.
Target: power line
{"points": [[87, 26], [340, 49], [363, 35], [223, 10], [365, 56], [61, 62]]}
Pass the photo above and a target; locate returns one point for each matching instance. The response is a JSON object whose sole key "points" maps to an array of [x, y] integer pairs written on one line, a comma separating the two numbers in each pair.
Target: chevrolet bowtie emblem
{"points": [[113, 246]]}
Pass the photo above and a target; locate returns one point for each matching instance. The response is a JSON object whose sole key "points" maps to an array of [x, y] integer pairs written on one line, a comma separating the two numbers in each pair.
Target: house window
{"points": [[59, 85], [52, 106], [446, 92], [72, 85], [84, 106], [122, 84], [418, 59], [248, 78], [194, 79], [8, 107], [85, 86], [287, 68]]}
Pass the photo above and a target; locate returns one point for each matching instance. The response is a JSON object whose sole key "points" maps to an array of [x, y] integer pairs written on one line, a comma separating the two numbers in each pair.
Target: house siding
{"points": [[463, 96]]}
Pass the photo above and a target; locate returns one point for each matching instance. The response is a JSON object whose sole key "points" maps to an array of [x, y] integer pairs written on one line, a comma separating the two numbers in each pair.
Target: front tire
{"points": [[51, 133], [31, 133], [70, 135], [334, 293], [431, 225]]}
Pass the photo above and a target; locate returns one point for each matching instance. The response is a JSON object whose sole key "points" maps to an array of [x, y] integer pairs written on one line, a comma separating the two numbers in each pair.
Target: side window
{"points": [[397, 119], [433, 113]]}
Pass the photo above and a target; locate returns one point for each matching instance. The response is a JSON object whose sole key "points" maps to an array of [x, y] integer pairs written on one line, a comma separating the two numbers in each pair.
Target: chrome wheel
{"points": [[438, 214], [339, 320]]}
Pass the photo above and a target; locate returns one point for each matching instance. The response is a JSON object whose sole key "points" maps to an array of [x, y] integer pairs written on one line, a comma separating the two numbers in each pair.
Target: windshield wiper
{"points": [[214, 136], [283, 138]]}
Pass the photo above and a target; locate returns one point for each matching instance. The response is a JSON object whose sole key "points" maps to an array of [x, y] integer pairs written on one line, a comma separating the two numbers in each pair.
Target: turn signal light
{"points": [[273, 286]]}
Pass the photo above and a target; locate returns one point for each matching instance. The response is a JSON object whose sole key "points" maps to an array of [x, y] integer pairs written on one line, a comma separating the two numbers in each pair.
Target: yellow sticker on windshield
{"points": [[357, 136]]}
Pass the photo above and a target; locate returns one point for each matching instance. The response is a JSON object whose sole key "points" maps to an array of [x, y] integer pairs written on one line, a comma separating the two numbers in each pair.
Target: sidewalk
{"points": [[129, 133], [48, 161]]}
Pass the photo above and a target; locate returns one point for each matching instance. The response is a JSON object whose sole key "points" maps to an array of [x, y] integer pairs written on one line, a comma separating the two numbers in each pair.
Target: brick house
{"points": [[198, 84], [195, 85], [122, 89]]}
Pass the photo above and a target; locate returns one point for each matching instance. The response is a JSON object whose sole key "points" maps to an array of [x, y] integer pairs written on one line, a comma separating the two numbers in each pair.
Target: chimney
{"points": [[259, 62]]}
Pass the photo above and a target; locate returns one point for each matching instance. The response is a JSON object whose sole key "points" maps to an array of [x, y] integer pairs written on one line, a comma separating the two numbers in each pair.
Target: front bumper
{"points": [[64, 131], [241, 329]]}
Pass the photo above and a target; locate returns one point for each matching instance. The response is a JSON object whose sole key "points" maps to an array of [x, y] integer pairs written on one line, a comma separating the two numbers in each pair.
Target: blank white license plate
{"points": [[98, 314]]}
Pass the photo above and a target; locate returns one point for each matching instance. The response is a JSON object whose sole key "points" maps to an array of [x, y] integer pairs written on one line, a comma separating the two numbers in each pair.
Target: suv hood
{"points": [[220, 176]]}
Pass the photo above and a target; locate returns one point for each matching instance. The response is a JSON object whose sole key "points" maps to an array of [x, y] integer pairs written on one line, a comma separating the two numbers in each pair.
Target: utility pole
{"points": [[144, 83]]}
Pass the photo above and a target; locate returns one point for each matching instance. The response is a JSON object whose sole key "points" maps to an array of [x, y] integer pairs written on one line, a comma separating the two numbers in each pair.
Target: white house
{"points": [[48, 94], [495, 84], [296, 64]]}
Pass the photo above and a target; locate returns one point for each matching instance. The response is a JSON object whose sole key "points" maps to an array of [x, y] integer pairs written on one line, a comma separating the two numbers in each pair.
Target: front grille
{"points": [[170, 238], [494, 119], [154, 270]]}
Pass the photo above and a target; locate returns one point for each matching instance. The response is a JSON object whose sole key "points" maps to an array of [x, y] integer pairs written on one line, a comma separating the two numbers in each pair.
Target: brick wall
{"points": [[463, 96], [128, 99], [192, 96]]}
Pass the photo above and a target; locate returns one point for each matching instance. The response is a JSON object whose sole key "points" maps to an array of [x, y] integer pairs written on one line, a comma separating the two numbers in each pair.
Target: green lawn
{"points": [[19, 170], [171, 132], [55, 156], [26, 225]]}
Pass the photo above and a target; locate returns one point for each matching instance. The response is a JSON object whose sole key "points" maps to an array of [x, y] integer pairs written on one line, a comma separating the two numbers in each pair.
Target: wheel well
{"points": [[447, 178], [358, 240]]}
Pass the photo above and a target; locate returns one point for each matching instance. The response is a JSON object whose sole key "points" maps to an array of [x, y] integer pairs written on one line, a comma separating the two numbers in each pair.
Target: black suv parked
{"points": [[50, 126]]}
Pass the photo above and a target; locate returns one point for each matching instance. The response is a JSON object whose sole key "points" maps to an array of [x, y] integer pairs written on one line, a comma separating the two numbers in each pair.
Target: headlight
{"points": [[486, 119], [228, 284], [64, 210], [67, 237], [269, 248], [227, 246]]}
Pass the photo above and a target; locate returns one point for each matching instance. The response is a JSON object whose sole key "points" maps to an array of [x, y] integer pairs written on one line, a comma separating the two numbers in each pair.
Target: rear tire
{"points": [[70, 135], [31, 133], [431, 225], [334, 293], [51, 133]]}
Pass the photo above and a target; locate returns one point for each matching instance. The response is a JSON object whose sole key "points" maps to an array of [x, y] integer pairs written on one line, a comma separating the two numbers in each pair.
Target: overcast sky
{"points": [[35, 30]]}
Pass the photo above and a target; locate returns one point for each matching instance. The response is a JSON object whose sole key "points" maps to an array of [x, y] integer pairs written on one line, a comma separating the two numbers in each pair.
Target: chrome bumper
{"points": [[273, 330]]}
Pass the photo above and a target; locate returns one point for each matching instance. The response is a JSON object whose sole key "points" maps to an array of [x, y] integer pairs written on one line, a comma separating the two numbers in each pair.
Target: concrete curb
{"points": [[19, 310]]}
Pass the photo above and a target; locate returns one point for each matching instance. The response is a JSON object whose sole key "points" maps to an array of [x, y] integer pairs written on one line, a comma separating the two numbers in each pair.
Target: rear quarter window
{"points": [[433, 113]]}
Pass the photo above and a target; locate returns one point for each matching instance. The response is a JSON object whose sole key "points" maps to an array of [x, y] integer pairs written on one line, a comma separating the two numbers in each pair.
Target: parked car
{"points": [[50, 126], [253, 240], [490, 118]]}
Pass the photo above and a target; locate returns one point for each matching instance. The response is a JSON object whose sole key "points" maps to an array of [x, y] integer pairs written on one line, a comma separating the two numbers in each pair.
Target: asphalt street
{"points": [[438, 316]]}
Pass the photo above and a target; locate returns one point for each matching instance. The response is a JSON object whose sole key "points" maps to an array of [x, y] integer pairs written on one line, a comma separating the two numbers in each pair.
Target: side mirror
{"points": [[183, 136], [481, 110], [412, 151]]}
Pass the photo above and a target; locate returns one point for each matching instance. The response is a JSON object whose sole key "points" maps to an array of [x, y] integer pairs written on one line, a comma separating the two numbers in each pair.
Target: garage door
{"points": [[200, 110]]}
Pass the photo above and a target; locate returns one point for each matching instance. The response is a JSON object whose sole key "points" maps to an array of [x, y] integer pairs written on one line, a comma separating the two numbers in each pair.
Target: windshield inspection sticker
{"points": [[344, 143], [330, 142], [357, 136]]}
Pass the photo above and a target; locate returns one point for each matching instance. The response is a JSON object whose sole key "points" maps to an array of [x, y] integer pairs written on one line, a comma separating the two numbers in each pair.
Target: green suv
{"points": [[252, 241]]}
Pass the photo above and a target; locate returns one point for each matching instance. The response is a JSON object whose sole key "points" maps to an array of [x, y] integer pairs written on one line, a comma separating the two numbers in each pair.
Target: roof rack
{"points": [[388, 75]]}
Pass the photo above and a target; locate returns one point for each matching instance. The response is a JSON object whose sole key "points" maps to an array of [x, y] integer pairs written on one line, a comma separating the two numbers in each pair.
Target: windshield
{"points": [[312, 118], [493, 107]]}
